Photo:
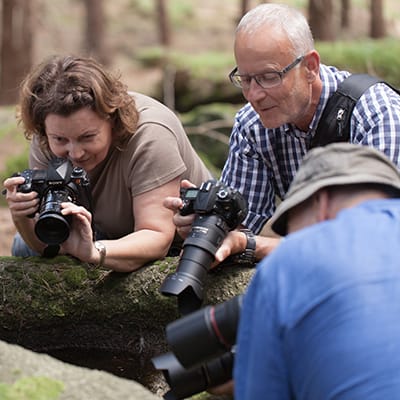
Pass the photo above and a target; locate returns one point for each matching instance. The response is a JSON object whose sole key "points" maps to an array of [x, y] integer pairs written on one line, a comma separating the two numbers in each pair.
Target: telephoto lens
{"points": [[203, 347], [188, 382], [205, 333], [219, 209]]}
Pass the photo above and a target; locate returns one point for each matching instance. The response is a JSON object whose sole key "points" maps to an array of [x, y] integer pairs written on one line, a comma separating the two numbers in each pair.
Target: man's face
{"points": [[288, 102]]}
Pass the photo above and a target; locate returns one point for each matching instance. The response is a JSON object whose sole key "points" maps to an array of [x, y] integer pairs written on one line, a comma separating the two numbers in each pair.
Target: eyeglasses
{"points": [[266, 80]]}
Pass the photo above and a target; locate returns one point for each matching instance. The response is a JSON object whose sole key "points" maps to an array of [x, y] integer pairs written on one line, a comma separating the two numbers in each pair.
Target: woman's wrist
{"points": [[101, 251]]}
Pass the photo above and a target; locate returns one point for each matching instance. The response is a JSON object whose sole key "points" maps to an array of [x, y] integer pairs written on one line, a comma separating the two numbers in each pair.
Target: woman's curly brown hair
{"points": [[65, 84]]}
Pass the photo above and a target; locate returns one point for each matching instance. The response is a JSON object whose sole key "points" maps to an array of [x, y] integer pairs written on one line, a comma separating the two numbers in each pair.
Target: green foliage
{"points": [[32, 388], [376, 57], [179, 12], [212, 151], [211, 65], [13, 165]]}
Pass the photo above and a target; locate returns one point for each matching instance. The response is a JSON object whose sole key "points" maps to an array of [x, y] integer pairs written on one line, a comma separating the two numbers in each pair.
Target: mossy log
{"points": [[89, 316]]}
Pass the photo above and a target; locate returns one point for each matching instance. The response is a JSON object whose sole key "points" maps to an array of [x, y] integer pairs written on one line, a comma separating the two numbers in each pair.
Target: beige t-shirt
{"points": [[157, 152]]}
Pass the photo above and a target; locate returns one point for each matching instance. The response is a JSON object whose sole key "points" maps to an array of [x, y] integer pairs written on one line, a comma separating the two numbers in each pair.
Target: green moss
{"points": [[74, 277], [32, 388]]}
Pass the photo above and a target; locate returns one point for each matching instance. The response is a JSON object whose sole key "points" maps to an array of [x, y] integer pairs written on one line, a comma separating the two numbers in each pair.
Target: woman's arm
{"points": [[153, 232]]}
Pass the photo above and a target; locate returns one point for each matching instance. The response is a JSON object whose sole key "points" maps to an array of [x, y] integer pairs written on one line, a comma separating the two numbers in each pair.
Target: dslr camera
{"points": [[202, 349], [61, 182], [219, 209]]}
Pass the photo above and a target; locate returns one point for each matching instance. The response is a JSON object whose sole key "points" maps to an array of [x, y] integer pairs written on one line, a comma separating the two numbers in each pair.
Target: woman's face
{"points": [[83, 137]]}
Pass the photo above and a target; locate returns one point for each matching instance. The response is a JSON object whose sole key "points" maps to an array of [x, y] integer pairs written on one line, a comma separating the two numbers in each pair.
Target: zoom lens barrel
{"points": [[206, 333]]}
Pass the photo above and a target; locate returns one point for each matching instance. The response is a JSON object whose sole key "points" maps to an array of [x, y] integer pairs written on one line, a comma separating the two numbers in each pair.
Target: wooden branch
{"points": [[209, 129]]}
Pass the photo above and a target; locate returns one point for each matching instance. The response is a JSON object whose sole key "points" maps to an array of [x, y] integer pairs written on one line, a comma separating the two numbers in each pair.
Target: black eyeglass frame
{"points": [[281, 74]]}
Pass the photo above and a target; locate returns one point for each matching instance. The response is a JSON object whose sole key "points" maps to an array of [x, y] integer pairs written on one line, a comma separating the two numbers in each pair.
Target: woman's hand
{"points": [[80, 240], [183, 223], [21, 205]]}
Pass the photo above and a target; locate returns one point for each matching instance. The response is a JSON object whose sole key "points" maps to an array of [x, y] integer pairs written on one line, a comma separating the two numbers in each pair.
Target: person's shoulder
{"points": [[298, 248], [153, 111], [143, 102], [332, 76]]}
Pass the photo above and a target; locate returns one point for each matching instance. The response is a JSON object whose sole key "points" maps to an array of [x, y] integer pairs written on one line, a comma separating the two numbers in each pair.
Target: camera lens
{"points": [[218, 210], [187, 382], [52, 227], [207, 233], [206, 333]]}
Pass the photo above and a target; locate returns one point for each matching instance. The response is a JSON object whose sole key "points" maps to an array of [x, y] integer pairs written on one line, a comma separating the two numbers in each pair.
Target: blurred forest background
{"points": [[178, 51]]}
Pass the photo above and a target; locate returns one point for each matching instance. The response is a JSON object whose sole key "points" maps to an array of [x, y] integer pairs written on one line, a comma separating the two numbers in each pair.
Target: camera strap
{"points": [[334, 125], [51, 250]]}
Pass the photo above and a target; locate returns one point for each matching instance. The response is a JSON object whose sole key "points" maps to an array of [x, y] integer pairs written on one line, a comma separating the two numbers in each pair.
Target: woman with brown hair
{"points": [[133, 148]]}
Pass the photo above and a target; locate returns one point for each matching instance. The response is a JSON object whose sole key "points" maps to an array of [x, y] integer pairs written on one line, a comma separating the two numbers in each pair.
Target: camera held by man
{"points": [[218, 209]]}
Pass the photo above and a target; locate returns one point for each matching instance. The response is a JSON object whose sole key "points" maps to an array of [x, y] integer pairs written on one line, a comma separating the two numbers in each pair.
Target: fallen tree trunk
{"points": [[92, 317]]}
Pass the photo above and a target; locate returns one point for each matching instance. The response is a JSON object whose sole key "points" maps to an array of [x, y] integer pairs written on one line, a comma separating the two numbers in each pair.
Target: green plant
{"points": [[32, 388]]}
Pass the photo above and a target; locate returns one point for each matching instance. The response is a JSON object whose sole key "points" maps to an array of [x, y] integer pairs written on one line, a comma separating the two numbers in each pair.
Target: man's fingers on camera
{"points": [[183, 222], [187, 184], [173, 203]]}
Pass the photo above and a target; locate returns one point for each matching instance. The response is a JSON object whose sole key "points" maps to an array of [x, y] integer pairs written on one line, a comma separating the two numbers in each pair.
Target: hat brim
{"points": [[279, 220]]}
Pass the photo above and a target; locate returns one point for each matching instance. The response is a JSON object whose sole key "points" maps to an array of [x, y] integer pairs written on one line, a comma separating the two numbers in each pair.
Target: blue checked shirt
{"points": [[262, 162]]}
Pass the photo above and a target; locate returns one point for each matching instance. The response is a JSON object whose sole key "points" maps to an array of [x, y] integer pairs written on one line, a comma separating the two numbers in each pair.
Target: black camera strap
{"points": [[334, 125]]}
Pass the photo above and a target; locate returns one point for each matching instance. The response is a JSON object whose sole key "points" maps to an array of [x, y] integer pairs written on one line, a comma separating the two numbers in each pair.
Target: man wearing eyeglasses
{"points": [[287, 89]]}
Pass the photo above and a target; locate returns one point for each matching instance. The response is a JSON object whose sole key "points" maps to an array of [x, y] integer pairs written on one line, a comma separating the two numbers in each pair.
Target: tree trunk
{"points": [[377, 24], [91, 317], [163, 24], [17, 39], [244, 7], [95, 31], [321, 19], [345, 13]]}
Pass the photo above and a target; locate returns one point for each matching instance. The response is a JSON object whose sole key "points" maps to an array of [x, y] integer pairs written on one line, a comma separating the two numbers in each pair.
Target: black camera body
{"points": [[213, 197], [61, 182], [218, 209]]}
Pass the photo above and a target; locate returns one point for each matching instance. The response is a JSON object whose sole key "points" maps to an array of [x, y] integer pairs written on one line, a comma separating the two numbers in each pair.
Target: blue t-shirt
{"points": [[321, 317]]}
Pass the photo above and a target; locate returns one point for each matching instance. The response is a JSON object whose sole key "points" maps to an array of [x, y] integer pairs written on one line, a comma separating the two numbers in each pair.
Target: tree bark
{"points": [[345, 13], [377, 24], [163, 23], [16, 47], [77, 313], [321, 19], [95, 31]]}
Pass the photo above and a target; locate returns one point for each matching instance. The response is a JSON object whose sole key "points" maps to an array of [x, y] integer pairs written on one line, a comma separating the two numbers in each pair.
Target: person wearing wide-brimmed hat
{"points": [[320, 318]]}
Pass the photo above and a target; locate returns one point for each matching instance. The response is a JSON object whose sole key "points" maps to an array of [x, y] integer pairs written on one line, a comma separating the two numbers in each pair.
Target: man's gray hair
{"points": [[284, 18]]}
